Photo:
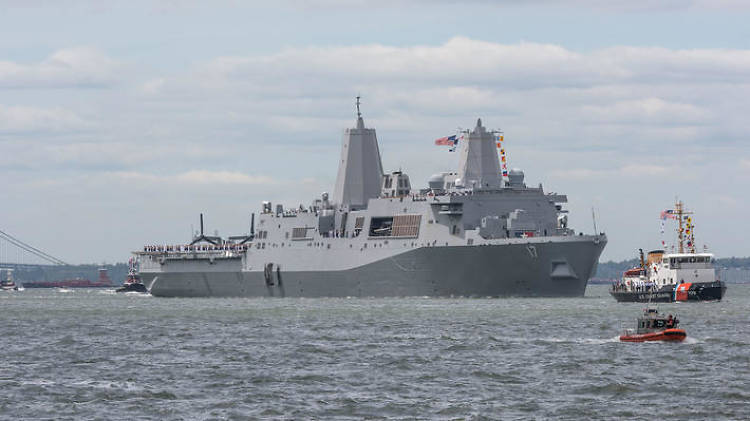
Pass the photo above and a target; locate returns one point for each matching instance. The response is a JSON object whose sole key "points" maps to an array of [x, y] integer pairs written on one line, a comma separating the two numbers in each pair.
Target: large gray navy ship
{"points": [[469, 233]]}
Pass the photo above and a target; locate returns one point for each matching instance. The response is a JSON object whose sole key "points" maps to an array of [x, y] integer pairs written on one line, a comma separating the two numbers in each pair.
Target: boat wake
{"points": [[137, 294], [582, 341]]}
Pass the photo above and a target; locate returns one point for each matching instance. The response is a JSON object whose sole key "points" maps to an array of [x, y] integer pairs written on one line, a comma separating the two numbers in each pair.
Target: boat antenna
{"points": [[359, 114]]}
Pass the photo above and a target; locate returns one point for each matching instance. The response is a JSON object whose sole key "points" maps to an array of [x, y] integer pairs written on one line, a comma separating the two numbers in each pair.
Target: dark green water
{"points": [[93, 354]]}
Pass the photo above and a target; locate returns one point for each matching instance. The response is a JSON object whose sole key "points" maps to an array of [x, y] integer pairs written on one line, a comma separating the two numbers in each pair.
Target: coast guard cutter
{"points": [[469, 233]]}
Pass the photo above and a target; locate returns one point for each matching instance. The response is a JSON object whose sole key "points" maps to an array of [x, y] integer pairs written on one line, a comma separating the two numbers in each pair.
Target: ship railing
{"points": [[196, 248]]}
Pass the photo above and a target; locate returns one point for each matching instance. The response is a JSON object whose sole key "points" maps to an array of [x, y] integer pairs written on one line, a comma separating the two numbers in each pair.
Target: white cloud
{"points": [[297, 71], [462, 65], [602, 6], [724, 200], [647, 170], [20, 119], [644, 93], [646, 111], [65, 68], [231, 131], [646, 5], [579, 173], [632, 171], [222, 177], [172, 7], [193, 177]]}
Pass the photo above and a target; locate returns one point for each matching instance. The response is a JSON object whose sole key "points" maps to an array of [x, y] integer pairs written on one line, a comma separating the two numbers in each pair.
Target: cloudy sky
{"points": [[120, 122]]}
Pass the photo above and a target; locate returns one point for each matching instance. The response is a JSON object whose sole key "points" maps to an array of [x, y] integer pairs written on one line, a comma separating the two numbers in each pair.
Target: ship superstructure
{"points": [[469, 233]]}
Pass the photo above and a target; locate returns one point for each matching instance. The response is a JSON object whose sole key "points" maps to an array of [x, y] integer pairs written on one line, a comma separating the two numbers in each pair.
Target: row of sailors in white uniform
{"points": [[643, 286], [197, 247], [634, 285]]}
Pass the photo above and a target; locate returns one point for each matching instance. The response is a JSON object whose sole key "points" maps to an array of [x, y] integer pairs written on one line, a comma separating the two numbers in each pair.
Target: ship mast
{"points": [[678, 209], [643, 261]]}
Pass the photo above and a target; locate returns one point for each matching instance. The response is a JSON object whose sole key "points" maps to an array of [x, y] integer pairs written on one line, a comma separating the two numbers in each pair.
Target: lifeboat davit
{"points": [[675, 335]]}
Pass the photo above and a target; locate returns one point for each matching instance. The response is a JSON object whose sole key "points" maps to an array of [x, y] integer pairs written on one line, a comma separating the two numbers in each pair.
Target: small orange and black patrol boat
{"points": [[653, 326]]}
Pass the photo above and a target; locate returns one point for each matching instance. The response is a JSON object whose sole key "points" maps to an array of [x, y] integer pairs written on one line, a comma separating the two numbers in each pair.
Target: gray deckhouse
{"points": [[384, 205]]}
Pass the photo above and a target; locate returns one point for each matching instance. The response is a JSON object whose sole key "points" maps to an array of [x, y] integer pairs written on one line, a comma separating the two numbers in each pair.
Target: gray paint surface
{"points": [[478, 271], [490, 238], [360, 168], [479, 165]]}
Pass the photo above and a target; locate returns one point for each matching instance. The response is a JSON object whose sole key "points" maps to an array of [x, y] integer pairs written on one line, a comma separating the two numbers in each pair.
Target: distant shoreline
{"points": [[732, 270]]}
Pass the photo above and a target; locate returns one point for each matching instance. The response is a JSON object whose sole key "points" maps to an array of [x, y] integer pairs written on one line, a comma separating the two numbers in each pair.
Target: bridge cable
{"points": [[31, 249]]}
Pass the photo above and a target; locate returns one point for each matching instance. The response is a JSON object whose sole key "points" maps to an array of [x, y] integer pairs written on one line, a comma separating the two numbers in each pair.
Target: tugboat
{"points": [[653, 326], [8, 284], [133, 281], [668, 277]]}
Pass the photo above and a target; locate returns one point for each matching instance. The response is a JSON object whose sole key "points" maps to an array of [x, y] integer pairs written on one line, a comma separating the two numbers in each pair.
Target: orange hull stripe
{"points": [[666, 335], [682, 292]]}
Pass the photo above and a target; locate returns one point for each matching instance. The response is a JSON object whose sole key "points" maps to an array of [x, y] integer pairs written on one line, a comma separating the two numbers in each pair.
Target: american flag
{"points": [[668, 214], [446, 141]]}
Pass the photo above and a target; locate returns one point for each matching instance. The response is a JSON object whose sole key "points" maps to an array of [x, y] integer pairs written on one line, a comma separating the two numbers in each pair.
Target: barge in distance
{"points": [[472, 232], [104, 281]]}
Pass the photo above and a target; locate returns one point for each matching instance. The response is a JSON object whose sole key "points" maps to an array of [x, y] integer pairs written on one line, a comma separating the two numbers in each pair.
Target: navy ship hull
{"points": [[538, 269]]}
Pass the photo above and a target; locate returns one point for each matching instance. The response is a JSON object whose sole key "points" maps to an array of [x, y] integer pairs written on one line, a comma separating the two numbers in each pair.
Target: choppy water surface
{"points": [[95, 354]]}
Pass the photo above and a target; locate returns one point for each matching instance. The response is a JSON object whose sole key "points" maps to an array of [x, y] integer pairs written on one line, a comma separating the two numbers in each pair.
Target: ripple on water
{"points": [[99, 355]]}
